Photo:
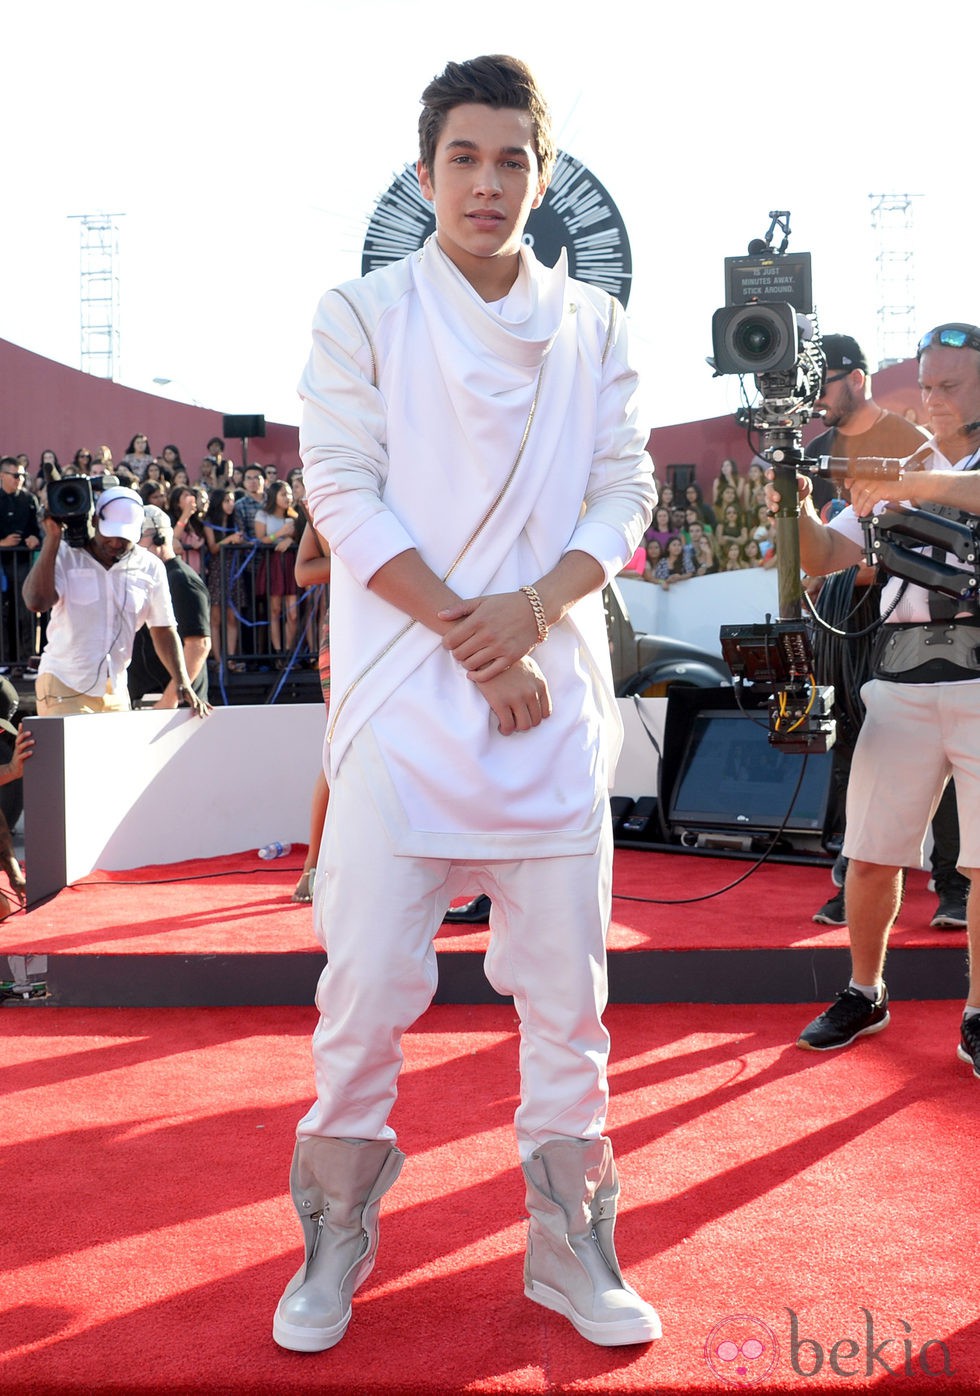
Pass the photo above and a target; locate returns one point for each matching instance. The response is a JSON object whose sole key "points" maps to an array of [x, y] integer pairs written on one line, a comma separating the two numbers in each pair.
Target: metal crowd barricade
{"points": [[248, 589], [21, 632]]}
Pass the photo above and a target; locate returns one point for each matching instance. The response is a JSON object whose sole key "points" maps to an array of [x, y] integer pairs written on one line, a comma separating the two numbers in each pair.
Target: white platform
{"points": [[126, 790]]}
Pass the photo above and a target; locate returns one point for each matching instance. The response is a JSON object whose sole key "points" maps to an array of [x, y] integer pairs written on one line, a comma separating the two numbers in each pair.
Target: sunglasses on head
{"points": [[950, 337]]}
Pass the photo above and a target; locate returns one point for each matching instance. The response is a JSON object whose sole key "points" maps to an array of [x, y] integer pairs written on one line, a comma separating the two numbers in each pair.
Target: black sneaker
{"points": [[839, 871], [474, 913], [851, 1015], [951, 911], [832, 913], [969, 1048]]}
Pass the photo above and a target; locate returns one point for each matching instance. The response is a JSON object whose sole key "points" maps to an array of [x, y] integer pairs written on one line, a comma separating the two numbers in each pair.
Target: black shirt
{"points": [[19, 513], [192, 610]]}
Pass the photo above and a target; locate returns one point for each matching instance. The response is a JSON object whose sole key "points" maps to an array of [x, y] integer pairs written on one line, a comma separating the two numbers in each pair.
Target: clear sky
{"points": [[246, 144]]}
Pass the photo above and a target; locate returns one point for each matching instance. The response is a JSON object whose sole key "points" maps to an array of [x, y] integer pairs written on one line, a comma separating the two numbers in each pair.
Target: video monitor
{"points": [[730, 777]]}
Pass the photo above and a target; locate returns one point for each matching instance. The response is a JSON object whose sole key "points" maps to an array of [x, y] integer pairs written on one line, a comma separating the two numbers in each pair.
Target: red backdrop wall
{"points": [[47, 405], [44, 404], [706, 444]]}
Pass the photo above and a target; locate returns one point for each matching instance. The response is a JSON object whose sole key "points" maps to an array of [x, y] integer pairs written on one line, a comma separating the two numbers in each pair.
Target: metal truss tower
{"points": [[99, 293], [893, 224]]}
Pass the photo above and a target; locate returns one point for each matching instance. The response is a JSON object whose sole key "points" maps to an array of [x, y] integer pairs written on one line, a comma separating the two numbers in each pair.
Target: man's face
{"points": [[949, 380], [484, 183], [12, 478], [839, 397], [254, 483], [108, 551]]}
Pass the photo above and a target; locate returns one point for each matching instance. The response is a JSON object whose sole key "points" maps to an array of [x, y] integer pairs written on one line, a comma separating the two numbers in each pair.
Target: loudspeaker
{"points": [[640, 822], [244, 426], [680, 476]]}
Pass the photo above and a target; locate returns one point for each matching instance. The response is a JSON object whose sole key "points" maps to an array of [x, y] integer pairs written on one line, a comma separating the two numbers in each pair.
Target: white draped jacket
{"points": [[493, 439]]}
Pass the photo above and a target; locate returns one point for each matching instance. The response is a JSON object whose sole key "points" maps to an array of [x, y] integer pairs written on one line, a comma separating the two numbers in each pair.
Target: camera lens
{"points": [[71, 498], [754, 339]]}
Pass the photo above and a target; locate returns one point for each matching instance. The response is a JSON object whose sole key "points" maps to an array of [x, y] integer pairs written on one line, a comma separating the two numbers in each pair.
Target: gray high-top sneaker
{"points": [[571, 1264], [337, 1186]]}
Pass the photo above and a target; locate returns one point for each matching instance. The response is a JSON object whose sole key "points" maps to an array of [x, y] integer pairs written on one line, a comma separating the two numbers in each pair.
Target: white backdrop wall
{"points": [[145, 787], [696, 610], [153, 787]]}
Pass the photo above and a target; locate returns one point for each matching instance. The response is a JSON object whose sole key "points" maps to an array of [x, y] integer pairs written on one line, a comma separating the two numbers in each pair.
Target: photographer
{"points": [[922, 703], [99, 591]]}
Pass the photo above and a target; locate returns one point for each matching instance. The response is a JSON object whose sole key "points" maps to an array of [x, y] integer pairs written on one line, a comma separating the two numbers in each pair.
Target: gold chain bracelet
{"points": [[540, 618]]}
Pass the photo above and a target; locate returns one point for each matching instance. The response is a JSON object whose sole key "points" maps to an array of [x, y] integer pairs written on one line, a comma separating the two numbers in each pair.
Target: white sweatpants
{"points": [[377, 915]]}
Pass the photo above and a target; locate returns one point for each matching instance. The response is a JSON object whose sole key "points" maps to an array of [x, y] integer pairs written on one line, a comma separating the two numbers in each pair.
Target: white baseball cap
{"points": [[119, 512]]}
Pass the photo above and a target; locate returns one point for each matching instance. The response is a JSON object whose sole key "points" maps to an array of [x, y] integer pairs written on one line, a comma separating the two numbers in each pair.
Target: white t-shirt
{"points": [[97, 614]]}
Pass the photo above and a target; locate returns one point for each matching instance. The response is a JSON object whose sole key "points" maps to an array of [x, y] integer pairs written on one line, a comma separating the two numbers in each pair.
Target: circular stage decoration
{"points": [[576, 213]]}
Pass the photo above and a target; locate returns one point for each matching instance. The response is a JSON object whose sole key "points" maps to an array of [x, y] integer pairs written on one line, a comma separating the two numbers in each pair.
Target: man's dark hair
{"points": [[494, 80]]}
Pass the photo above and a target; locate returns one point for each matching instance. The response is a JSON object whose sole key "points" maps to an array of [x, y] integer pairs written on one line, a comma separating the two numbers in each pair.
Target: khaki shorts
{"points": [[56, 699], [915, 736]]}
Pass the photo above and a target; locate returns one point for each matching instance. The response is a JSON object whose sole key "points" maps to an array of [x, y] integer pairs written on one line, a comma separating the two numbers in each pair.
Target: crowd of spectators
{"points": [[693, 536], [237, 529]]}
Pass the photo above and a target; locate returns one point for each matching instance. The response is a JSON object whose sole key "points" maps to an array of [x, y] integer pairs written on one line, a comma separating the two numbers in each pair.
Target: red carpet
{"points": [[241, 905], [147, 1233]]}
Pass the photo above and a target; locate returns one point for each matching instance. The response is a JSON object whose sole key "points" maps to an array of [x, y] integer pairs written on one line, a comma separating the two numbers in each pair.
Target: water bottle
{"points": [[275, 850]]}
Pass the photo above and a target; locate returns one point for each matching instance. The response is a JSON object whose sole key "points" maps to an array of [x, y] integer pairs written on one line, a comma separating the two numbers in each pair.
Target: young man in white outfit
{"points": [[472, 455]]}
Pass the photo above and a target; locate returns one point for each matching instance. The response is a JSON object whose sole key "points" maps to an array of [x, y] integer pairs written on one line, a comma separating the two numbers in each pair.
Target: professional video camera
{"points": [[71, 500], [768, 329]]}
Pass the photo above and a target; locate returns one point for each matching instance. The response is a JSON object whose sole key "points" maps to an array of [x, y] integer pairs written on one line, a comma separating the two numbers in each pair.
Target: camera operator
{"points": [[192, 608], [922, 721], [859, 427], [99, 593]]}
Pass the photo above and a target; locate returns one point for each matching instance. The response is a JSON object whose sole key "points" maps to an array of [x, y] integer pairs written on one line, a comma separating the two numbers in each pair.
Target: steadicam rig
{"points": [[768, 329], [892, 537], [887, 540]]}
